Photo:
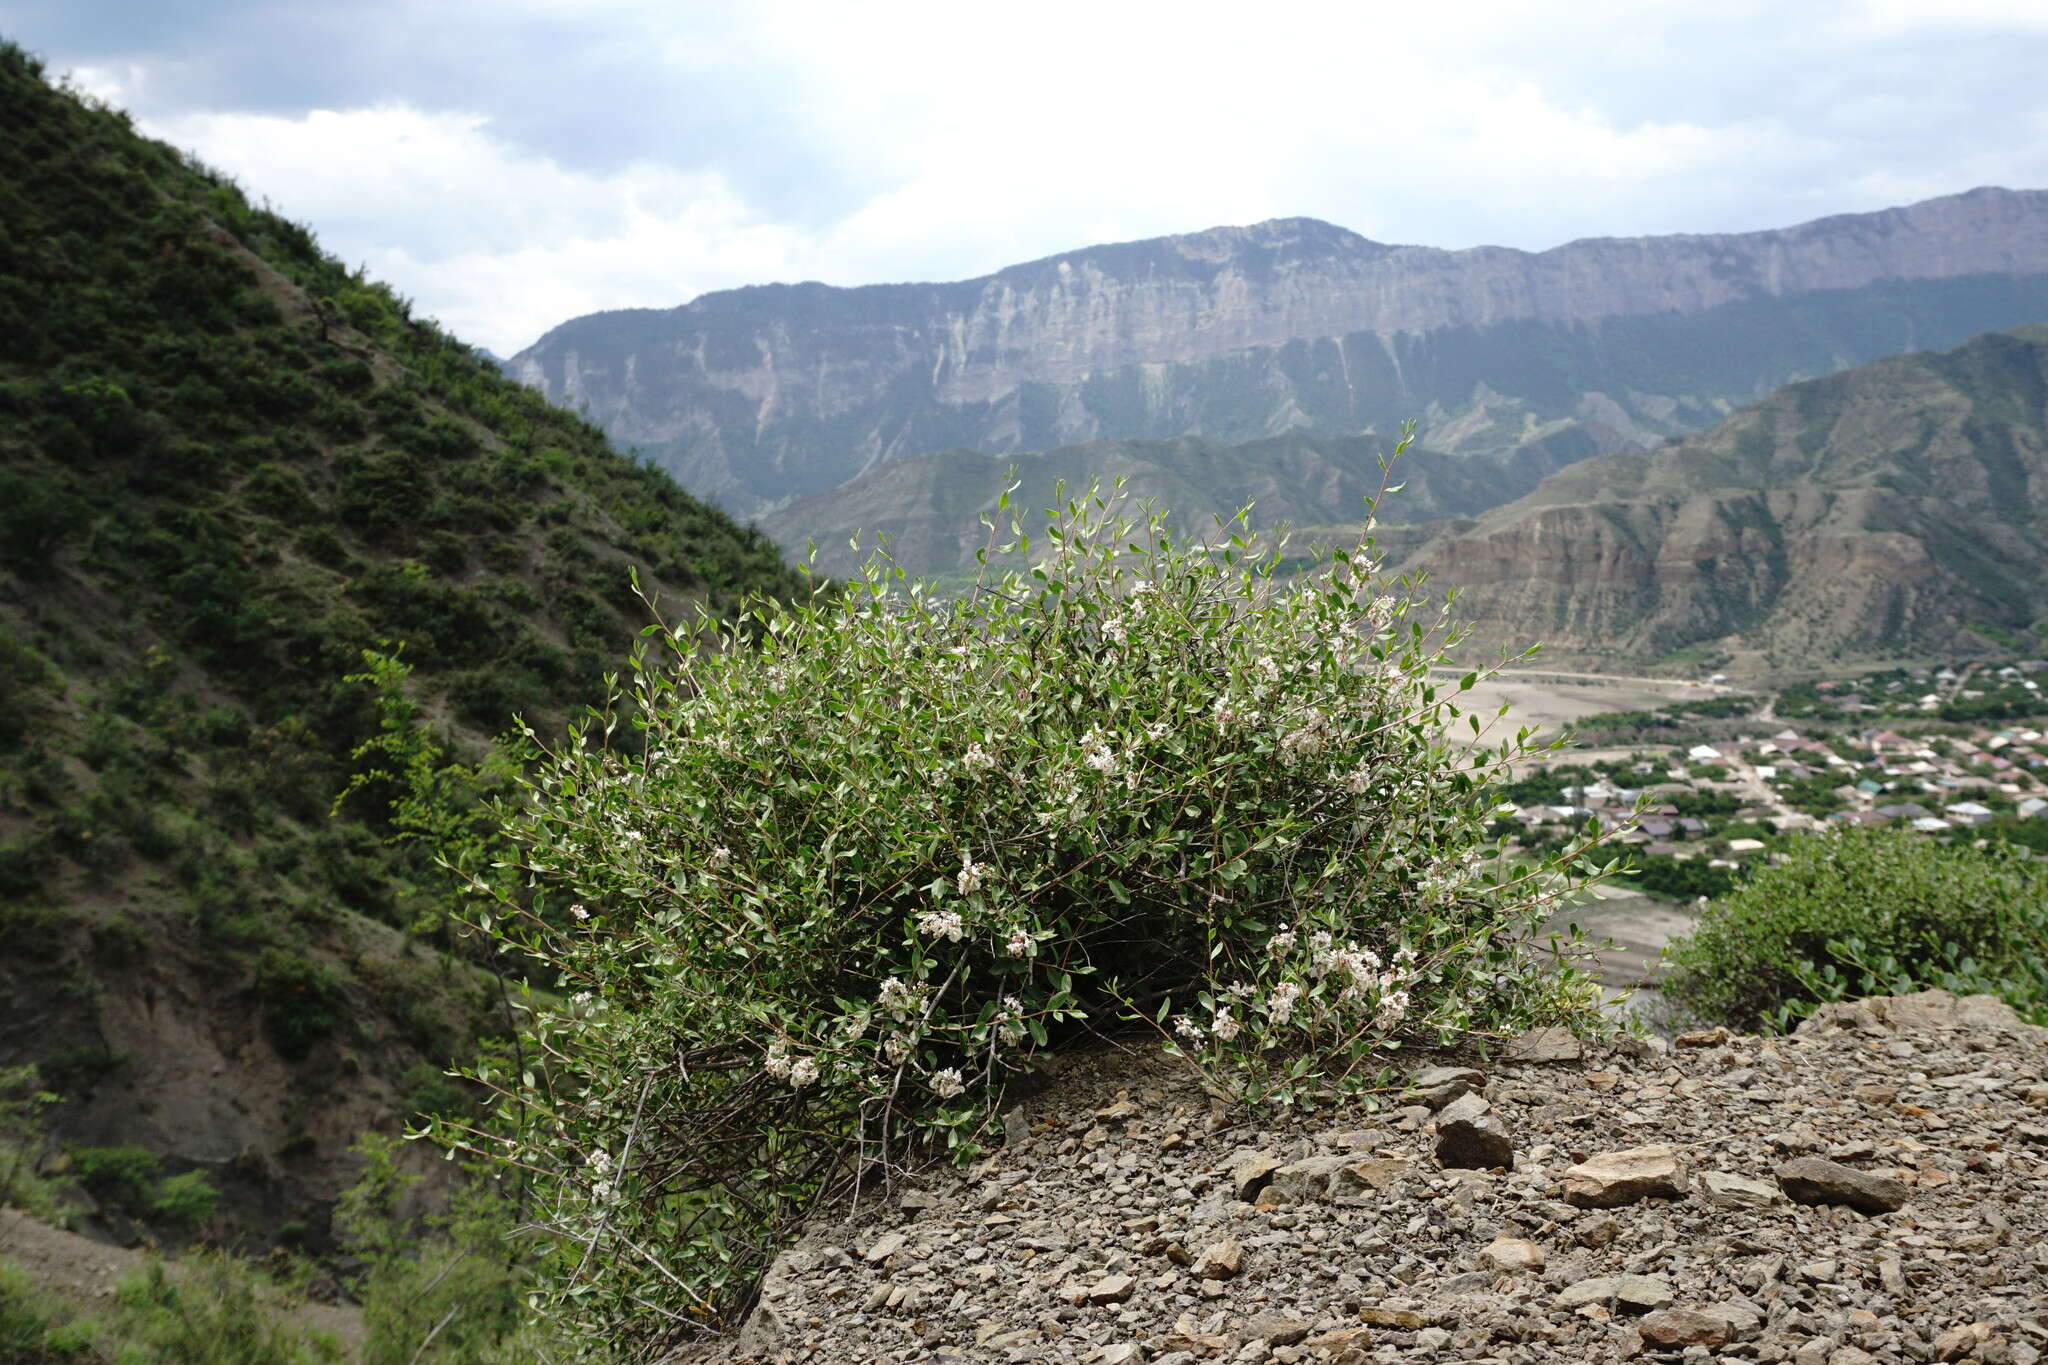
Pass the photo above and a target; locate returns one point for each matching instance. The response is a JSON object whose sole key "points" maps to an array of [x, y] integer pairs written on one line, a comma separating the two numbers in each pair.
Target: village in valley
{"points": [[1702, 788]]}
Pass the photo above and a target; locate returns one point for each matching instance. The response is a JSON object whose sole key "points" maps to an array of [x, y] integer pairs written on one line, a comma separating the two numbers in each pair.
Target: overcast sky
{"points": [[513, 163]]}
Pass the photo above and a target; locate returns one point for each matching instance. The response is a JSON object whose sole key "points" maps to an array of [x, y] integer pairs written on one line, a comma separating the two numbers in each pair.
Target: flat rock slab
{"points": [[1725, 1191], [1816, 1180], [1546, 1045], [1613, 1179], [1628, 1293]]}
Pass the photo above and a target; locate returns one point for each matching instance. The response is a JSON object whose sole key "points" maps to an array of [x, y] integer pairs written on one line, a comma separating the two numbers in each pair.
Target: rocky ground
{"points": [[1873, 1188]]}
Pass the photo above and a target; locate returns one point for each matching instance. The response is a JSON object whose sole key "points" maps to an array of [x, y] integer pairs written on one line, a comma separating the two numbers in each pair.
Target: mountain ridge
{"points": [[769, 394], [1893, 507]]}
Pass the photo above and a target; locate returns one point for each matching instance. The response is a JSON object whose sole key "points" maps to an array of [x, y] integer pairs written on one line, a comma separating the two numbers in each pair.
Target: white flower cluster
{"points": [[798, 1071], [941, 924], [948, 1083], [1114, 630], [1020, 943], [1096, 753], [1308, 737], [977, 759], [971, 874], [899, 1001]]}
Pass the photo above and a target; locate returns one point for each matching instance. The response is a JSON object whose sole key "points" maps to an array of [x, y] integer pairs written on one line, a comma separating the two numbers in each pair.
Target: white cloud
{"points": [[927, 139], [496, 243]]}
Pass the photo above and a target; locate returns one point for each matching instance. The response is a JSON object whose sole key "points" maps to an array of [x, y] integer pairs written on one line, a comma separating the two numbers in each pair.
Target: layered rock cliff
{"points": [[1892, 508], [762, 395]]}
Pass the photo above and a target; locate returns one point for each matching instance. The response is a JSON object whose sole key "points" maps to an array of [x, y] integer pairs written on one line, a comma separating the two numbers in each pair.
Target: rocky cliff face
{"points": [[1891, 508], [762, 395]]}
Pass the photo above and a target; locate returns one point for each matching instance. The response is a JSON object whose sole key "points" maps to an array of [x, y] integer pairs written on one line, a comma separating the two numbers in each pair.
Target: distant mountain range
{"points": [[764, 396], [1896, 508]]}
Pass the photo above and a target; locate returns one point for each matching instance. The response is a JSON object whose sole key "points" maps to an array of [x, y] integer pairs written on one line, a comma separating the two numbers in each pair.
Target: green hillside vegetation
{"points": [[228, 467]]}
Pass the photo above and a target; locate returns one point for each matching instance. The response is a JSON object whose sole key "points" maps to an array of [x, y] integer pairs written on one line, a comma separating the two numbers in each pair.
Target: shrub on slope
{"points": [[839, 888]]}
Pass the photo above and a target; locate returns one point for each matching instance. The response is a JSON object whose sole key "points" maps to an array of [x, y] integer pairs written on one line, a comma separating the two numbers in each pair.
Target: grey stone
{"points": [[1252, 1173], [1725, 1191], [1546, 1045], [1300, 1182], [1470, 1136], [1816, 1180], [1629, 1293]]}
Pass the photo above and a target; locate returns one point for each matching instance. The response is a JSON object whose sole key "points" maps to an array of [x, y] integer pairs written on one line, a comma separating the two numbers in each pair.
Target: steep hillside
{"points": [[930, 505], [1881, 511], [765, 395], [228, 467]]}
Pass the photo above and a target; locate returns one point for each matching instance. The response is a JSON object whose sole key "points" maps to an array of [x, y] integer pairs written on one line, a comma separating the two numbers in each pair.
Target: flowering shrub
{"points": [[844, 882]]}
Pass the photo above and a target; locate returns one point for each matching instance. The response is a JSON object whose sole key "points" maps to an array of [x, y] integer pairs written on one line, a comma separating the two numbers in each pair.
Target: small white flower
{"points": [[896, 1047], [1019, 945], [777, 1063], [599, 1160], [941, 924], [803, 1073], [579, 912], [1157, 731], [977, 759], [601, 1191], [1282, 940], [1358, 781], [1114, 630], [971, 875], [947, 1083], [1393, 1007], [1280, 1005], [720, 856], [1095, 752], [1224, 1025], [1187, 1028], [1267, 667], [899, 999]]}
